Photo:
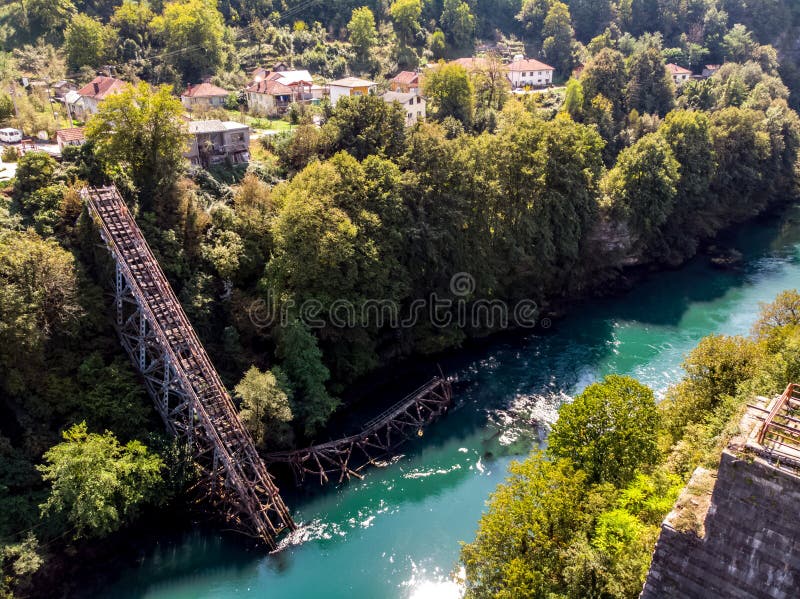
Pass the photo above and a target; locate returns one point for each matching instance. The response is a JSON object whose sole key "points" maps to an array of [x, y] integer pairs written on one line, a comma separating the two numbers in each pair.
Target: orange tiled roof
{"points": [[677, 70], [71, 134], [269, 87], [529, 64], [204, 90], [406, 77], [101, 87]]}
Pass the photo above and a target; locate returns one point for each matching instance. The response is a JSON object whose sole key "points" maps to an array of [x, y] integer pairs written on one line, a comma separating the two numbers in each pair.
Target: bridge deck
{"points": [[383, 434], [204, 411]]}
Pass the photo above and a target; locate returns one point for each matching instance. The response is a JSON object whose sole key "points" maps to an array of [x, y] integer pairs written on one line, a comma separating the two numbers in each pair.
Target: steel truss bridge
{"points": [[186, 388]]}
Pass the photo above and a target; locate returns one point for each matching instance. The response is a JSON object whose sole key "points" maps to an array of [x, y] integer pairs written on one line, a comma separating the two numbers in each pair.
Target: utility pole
{"points": [[12, 92]]}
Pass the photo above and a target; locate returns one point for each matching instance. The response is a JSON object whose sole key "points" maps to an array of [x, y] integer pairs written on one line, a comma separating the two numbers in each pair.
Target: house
{"points": [[529, 72], [94, 92], [578, 70], [350, 86], [407, 82], [413, 104], [268, 97], [271, 92], [73, 102], [70, 137], [63, 87], [204, 96], [214, 142], [679, 74], [710, 69]]}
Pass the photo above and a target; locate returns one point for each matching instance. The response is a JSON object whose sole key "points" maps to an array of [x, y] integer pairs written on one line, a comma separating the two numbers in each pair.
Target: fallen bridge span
{"points": [[348, 457]]}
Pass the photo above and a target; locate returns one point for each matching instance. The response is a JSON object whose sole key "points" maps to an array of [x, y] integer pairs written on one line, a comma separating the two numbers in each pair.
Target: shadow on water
{"points": [[507, 389]]}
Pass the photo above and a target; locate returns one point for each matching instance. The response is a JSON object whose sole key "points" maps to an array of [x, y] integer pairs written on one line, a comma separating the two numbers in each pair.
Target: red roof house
{"points": [[205, 95]]}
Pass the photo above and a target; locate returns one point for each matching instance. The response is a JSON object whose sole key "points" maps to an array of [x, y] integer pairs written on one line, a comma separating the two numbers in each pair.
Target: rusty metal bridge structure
{"points": [[344, 458], [178, 374]]}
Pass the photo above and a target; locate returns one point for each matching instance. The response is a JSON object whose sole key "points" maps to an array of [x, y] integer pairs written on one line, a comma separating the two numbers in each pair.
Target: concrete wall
{"points": [[745, 545]]}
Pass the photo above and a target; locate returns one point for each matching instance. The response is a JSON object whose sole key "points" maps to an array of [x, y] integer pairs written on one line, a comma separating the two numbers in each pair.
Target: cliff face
{"points": [[740, 540]]}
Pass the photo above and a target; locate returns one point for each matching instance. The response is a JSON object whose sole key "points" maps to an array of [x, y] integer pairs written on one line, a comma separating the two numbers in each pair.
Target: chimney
{"points": [[96, 88]]}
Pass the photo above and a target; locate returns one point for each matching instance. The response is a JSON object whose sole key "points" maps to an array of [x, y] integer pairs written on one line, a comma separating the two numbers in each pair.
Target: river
{"points": [[396, 534]]}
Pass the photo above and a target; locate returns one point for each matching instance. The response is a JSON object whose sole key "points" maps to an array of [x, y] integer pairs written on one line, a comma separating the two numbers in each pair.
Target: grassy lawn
{"points": [[260, 122]]}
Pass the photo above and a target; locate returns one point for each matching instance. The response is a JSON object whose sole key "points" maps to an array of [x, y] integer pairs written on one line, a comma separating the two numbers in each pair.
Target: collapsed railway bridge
{"points": [[196, 407], [186, 388]]}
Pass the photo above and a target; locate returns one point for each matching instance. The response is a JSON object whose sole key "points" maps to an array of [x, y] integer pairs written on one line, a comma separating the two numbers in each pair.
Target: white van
{"points": [[10, 136]]}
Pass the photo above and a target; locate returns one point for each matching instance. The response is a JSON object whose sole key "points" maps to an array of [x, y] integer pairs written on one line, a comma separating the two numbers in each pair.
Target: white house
{"points": [[70, 137], [679, 74], [529, 71], [94, 92], [268, 97], [204, 95], [350, 86], [271, 92], [413, 105]]}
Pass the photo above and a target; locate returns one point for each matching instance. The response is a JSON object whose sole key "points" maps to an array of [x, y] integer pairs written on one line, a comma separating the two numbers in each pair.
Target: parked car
{"points": [[11, 136]]}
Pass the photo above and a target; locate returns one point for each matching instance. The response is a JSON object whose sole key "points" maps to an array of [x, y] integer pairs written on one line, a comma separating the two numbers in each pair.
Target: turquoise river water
{"points": [[396, 534]]}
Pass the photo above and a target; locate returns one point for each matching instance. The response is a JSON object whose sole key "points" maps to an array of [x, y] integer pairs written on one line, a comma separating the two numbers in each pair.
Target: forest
{"points": [[538, 197]]}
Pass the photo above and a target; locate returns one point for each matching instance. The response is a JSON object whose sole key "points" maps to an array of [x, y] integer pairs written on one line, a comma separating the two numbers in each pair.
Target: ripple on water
{"points": [[528, 419]]}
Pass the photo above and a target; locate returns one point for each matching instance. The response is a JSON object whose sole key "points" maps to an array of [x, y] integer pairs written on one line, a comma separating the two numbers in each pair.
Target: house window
{"points": [[419, 99], [411, 102]]}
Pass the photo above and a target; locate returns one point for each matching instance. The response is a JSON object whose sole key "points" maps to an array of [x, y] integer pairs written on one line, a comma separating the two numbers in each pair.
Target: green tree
{"points": [[609, 431], [783, 311], [302, 362], [451, 93], [45, 60], [18, 562], [605, 75], [458, 23], [741, 148], [590, 17], [688, 134], [132, 21], [650, 87], [365, 125], [266, 406], [39, 294], [34, 171], [642, 185], [573, 99], [362, 31], [558, 39], [193, 35], [532, 15], [140, 132], [50, 15], [438, 45], [406, 14], [738, 44], [87, 42], [530, 522], [111, 398], [6, 108], [96, 482]]}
